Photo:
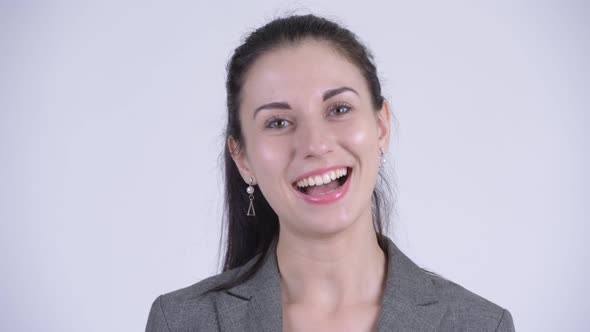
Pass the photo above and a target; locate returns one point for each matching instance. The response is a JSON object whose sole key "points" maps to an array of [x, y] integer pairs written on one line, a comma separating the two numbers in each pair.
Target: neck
{"points": [[347, 268]]}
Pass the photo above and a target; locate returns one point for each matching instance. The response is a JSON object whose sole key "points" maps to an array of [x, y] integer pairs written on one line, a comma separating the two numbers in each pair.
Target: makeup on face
{"points": [[311, 136]]}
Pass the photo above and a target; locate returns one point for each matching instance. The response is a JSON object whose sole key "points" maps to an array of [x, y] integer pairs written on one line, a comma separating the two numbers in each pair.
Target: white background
{"points": [[111, 121]]}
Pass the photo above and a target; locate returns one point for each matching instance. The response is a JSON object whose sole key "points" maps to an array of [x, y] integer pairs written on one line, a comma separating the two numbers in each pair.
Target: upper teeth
{"points": [[323, 178]]}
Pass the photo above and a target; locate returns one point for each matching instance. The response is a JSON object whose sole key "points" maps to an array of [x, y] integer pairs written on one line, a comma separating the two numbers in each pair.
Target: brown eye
{"points": [[277, 123], [340, 109]]}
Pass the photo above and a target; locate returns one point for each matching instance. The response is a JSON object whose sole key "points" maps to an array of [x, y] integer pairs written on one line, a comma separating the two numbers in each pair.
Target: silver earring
{"points": [[250, 190], [382, 160]]}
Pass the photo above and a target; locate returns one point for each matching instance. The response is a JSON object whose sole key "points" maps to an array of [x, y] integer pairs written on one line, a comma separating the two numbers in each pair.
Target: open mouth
{"points": [[323, 184]]}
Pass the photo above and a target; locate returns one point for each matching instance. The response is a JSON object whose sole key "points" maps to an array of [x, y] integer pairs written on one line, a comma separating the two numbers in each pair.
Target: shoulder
{"points": [[188, 307], [468, 310], [439, 301]]}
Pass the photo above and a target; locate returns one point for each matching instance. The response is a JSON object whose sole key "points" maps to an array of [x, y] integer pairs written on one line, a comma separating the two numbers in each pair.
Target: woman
{"points": [[307, 133]]}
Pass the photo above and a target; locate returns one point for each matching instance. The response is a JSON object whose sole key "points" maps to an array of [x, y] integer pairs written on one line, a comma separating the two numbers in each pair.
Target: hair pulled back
{"points": [[247, 236]]}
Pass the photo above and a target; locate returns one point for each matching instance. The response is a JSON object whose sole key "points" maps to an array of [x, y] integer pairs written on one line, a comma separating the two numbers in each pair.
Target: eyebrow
{"points": [[331, 93], [285, 106]]}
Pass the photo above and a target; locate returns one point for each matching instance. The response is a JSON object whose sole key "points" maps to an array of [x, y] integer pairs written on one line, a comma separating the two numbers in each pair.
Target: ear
{"points": [[238, 154], [384, 125]]}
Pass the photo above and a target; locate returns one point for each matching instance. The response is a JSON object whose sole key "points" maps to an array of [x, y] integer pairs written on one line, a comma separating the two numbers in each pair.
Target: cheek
{"points": [[268, 156], [361, 136], [263, 151]]}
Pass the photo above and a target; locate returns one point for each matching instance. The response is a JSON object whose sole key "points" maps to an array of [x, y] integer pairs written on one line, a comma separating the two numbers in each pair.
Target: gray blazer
{"points": [[414, 300]]}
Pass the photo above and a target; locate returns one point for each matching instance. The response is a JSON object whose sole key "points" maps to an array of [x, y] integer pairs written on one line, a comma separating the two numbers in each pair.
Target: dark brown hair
{"points": [[247, 237]]}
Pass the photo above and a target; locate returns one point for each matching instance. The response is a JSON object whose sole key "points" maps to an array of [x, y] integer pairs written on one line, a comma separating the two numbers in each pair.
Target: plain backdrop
{"points": [[111, 121]]}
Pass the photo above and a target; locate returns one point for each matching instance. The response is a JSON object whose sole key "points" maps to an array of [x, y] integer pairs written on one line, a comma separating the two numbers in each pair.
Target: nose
{"points": [[313, 140]]}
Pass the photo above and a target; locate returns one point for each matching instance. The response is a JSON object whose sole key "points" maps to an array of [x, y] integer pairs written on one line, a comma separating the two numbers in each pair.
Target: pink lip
{"points": [[330, 197], [319, 171]]}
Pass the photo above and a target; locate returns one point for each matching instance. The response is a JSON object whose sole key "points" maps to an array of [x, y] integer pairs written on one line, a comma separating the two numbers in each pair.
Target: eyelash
{"points": [[339, 105], [271, 123]]}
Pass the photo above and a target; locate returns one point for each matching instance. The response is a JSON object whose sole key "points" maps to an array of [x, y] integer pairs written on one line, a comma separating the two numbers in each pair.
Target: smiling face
{"points": [[307, 118]]}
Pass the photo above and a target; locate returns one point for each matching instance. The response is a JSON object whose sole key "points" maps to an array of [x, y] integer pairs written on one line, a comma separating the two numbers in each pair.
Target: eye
{"points": [[276, 122], [340, 109]]}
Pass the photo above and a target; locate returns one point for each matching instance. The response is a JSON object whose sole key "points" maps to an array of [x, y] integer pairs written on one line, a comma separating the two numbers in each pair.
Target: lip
{"points": [[330, 197]]}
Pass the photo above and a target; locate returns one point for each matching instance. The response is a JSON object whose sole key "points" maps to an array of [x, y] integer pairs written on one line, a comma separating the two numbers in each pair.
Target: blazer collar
{"points": [[259, 307], [410, 301]]}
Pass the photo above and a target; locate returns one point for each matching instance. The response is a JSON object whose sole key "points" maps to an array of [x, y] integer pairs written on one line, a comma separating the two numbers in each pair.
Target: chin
{"points": [[321, 225]]}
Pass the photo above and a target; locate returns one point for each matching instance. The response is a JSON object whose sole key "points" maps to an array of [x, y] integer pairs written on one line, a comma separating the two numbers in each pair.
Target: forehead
{"points": [[305, 69]]}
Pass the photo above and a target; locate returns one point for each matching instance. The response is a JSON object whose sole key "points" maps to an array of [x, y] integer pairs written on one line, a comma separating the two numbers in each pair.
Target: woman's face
{"points": [[306, 115]]}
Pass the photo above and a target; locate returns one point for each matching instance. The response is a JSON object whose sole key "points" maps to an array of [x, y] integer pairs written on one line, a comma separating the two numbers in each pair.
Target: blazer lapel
{"points": [[255, 304], [410, 302]]}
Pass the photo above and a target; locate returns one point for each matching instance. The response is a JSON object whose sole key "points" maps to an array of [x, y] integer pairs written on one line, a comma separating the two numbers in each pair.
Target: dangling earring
{"points": [[250, 191], [382, 160]]}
